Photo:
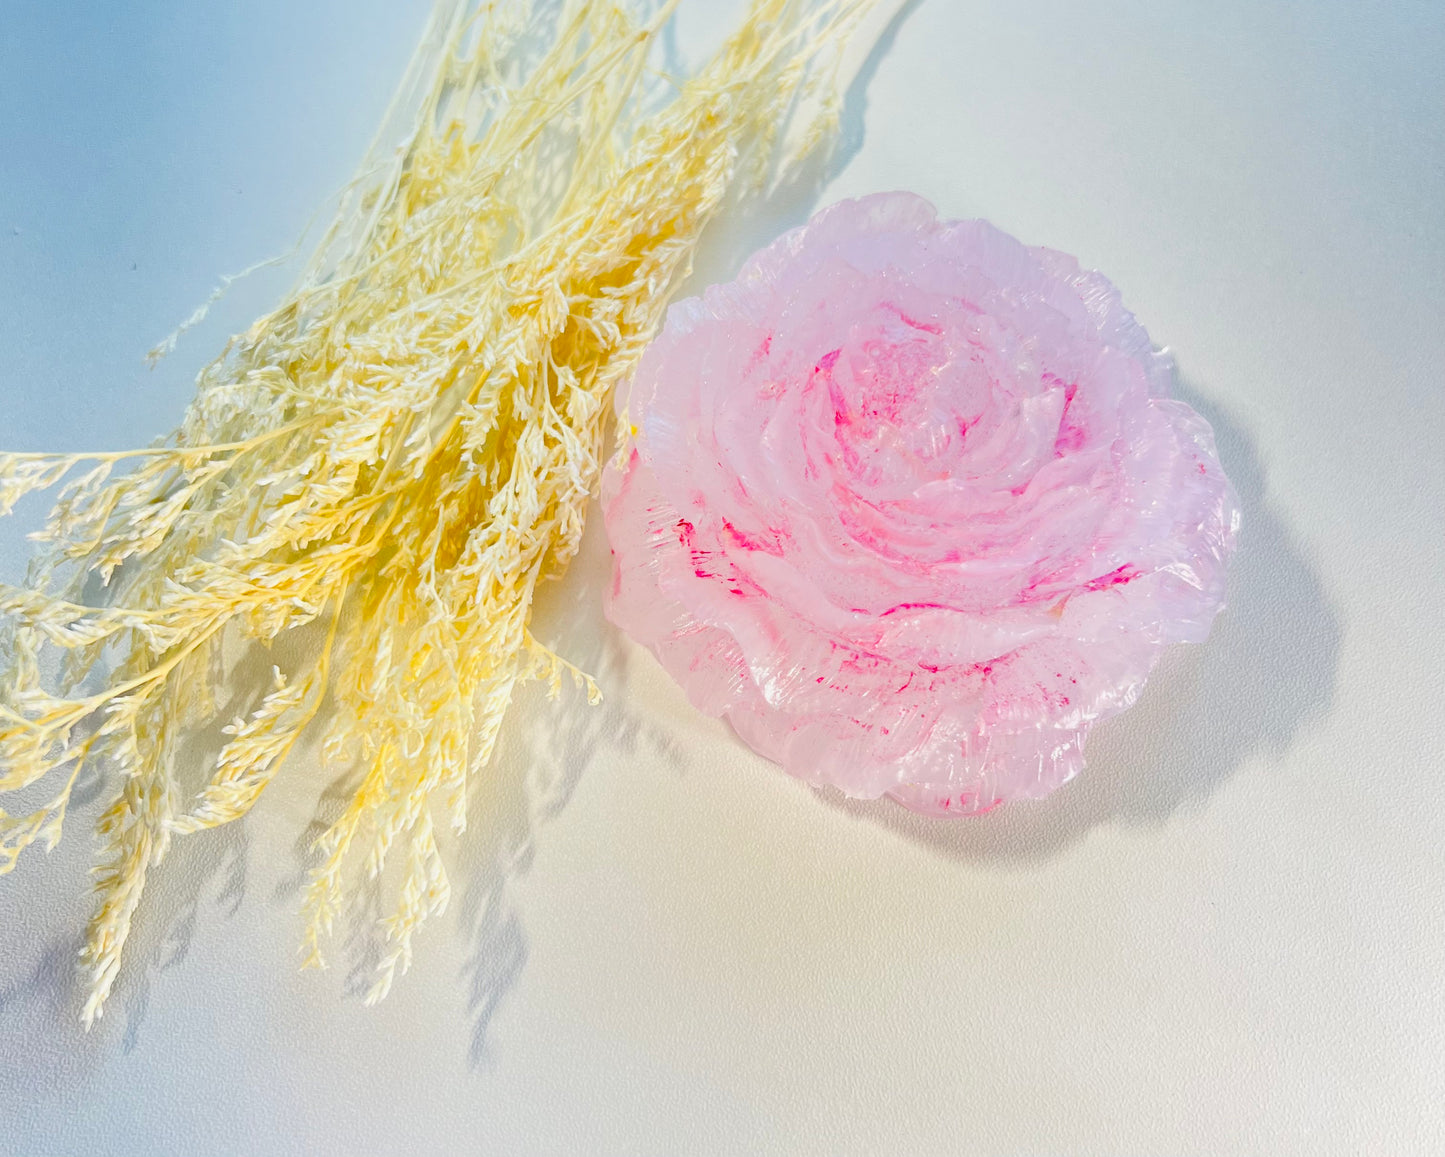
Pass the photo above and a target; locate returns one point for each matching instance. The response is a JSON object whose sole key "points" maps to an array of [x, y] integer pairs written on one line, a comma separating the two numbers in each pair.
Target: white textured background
{"points": [[1227, 937]]}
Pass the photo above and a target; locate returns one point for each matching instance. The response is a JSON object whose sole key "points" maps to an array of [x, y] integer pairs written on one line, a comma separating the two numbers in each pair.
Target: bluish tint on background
{"points": [[1226, 937]]}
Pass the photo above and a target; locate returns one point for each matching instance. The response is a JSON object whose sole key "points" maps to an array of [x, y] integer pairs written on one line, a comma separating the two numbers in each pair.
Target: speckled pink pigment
{"points": [[910, 505]]}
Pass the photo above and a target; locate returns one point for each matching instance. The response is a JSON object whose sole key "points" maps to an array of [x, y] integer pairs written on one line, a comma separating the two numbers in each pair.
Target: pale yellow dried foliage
{"points": [[400, 453]]}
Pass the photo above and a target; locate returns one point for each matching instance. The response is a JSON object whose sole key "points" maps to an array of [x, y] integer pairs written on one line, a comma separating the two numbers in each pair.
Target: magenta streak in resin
{"points": [[910, 505]]}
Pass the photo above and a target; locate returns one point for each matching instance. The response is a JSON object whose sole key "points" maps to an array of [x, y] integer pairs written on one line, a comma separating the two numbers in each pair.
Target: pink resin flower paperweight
{"points": [[910, 505]]}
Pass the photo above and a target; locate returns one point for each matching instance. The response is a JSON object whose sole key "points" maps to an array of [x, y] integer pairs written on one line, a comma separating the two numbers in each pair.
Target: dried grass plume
{"points": [[398, 454]]}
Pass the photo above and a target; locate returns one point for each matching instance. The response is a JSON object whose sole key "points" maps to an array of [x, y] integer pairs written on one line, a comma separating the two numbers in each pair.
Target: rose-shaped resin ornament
{"points": [[909, 503]]}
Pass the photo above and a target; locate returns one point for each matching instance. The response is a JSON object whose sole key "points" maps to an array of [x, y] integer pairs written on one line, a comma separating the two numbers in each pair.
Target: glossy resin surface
{"points": [[910, 504]]}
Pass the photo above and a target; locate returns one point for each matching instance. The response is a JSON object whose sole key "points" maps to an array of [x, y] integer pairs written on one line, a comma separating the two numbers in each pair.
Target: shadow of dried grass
{"points": [[546, 747], [40, 1031], [40, 1001], [543, 751], [207, 862]]}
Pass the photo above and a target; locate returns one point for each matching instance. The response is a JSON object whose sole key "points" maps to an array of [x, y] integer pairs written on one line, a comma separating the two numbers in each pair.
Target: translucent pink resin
{"points": [[910, 505]]}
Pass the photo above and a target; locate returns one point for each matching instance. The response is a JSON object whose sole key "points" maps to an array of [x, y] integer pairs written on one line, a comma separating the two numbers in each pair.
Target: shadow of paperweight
{"points": [[1266, 670]]}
